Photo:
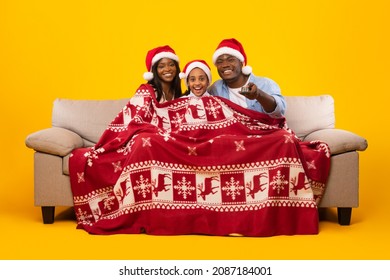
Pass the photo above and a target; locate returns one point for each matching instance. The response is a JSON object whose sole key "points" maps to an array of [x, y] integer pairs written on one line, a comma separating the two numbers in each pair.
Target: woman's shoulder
{"points": [[148, 87]]}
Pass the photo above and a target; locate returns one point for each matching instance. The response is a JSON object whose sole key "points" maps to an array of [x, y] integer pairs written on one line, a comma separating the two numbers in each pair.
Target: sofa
{"points": [[80, 123]]}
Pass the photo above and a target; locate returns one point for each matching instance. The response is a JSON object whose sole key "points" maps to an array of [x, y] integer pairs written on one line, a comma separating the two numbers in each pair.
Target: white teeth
{"points": [[227, 71]]}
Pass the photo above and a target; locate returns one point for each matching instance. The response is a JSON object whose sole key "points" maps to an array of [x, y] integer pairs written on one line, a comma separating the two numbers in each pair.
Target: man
{"points": [[239, 85]]}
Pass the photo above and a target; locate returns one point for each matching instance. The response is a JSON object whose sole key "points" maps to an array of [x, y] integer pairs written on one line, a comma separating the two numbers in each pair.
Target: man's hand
{"points": [[250, 91]]}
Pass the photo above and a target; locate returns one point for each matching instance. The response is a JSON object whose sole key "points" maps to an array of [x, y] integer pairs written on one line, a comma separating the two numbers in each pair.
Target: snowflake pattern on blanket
{"points": [[198, 166]]}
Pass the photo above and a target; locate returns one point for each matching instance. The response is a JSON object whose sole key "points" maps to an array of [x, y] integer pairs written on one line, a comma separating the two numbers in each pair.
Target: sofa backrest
{"points": [[306, 114], [88, 118]]}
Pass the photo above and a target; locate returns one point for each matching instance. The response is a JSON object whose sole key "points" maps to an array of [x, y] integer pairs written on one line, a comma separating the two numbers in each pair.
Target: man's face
{"points": [[228, 66]]}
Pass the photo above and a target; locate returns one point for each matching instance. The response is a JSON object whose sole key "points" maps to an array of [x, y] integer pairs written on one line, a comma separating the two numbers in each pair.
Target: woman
{"points": [[163, 68]]}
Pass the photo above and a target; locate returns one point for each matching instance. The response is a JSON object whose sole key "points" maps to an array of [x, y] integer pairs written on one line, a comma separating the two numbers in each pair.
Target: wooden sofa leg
{"points": [[344, 215], [48, 214]]}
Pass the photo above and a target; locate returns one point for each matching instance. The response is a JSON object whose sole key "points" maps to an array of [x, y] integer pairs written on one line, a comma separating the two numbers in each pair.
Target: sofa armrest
{"points": [[55, 140], [339, 140]]}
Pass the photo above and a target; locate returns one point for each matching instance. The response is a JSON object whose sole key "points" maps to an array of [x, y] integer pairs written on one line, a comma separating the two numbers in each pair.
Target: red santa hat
{"points": [[155, 55], [198, 63], [234, 48]]}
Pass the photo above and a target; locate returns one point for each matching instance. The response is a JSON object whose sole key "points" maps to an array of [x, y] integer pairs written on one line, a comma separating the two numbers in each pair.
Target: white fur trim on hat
{"points": [[193, 65], [227, 50], [148, 76], [161, 55]]}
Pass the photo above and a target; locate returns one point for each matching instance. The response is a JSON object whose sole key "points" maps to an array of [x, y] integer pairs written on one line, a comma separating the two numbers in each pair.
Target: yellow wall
{"points": [[96, 50]]}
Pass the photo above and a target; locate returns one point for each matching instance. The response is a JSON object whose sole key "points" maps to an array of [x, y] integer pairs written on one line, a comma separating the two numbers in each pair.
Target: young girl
{"points": [[162, 64], [197, 75]]}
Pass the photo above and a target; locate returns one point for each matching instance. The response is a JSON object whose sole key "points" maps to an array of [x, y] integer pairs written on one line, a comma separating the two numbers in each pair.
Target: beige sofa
{"points": [[79, 123]]}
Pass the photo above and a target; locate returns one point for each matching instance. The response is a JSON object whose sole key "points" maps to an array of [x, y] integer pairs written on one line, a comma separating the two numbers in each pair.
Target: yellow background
{"points": [[96, 50]]}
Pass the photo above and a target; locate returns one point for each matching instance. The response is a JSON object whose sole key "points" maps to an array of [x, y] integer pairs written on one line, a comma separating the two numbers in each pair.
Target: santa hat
{"points": [[155, 55], [234, 48], [195, 64]]}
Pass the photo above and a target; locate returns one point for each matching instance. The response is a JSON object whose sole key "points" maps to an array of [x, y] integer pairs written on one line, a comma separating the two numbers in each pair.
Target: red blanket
{"points": [[198, 166]]}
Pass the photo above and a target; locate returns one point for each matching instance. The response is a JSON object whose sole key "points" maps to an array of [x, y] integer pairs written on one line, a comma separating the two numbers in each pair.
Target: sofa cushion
{"points": [[55, 140], [305, 114], [87, 118], [339, 140]]}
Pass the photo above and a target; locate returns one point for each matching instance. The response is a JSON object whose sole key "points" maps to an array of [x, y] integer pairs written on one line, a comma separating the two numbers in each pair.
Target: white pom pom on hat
{"points": [[234, 48], [182, 75], [155, 55], [246, 70], [148, 76]]}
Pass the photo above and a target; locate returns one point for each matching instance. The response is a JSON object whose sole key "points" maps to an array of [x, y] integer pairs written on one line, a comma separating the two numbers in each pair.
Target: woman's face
{"points": [[166, 70], [197, 81]]}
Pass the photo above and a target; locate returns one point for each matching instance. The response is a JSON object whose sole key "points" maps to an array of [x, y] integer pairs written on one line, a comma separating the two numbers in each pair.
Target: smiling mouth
{"points": [[227, 72]]}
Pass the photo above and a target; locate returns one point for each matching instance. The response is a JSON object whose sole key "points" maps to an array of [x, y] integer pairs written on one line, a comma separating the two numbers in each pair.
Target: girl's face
{"points": [[197, 82], [166, 70]]}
